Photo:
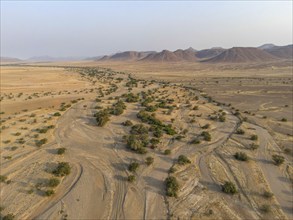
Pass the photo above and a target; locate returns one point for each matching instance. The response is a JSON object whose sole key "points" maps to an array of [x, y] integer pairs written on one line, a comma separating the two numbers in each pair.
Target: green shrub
{"points": [[222, 118], [284, 119], [172, 186], [206, 136], [195, 141], [133, 166], [240, 131], [118, 108], [127, 123], [206, 126], [254, 146], [182, 160], [131, 178], [56, 114], [241, 156], [151, 108], [139, 129], [3, 178], [167, 152], [53, 182], [149, 161], [172, 170], [278, 159], [265, 208], [102, 117], [130, 97], [268, 194], [8, 217], [229, 188], [253, 137], [62, 169], [41, 142], [49, 192], [61, 150], [137, 142]]}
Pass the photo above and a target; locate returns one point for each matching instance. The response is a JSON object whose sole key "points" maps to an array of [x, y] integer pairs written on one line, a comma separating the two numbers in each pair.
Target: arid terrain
{"points": [[147, 140]]}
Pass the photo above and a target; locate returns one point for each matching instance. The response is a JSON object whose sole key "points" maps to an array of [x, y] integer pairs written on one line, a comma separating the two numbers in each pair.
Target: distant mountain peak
{"points": [[266, 46]]}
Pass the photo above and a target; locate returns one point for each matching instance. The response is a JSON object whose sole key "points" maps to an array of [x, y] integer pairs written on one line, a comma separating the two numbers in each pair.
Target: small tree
{"points": [[53, 182], [278, 159], [149, 161], [133, 166], [131, 178], [8, 217], [62, 169], [268, 194], [206, 136], [61, 150], [182, 160], [241, 156], [240, 131], [253, 137], [49, 192], [172, 186], [167, 152], [229, 188]]}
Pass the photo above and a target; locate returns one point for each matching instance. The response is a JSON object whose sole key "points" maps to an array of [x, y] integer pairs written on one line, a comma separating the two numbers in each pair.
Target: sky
{"points": [[92, 28]]}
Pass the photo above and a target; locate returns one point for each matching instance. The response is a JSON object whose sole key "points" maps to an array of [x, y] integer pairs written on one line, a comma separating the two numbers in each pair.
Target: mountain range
{"points": [[264, 53]]}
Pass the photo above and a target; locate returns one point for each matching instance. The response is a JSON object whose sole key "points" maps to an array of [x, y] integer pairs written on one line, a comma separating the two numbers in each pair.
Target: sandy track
{"points": [[278, 182]]}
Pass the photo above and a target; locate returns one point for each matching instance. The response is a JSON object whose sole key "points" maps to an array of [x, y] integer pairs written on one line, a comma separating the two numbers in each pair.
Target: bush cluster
{"points": [[229, 188], [172, 186], [117, 108], [278, 159], [241, 156], [182, 160], [102, 117], [62, 169]]}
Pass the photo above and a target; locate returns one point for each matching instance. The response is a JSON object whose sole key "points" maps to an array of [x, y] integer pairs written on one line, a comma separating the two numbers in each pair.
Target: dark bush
{"points": [[229, 188], [133, 166], [62, 169], [41, 142], [182, 160], [127, 123], [206, 136], [278, 159], [102, 117], [195, 141], [8, 217], [241, 156], [172, 186], [61, 150], [149, 161], [3, 178], [131, 178], [57, 114], [240, 131], [53, 182], [206, 126], [167, 152], [253, 137], [49, 192]]}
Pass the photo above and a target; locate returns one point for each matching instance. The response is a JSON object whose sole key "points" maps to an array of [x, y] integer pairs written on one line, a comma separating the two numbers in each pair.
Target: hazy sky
{"points": [[80, 28]]}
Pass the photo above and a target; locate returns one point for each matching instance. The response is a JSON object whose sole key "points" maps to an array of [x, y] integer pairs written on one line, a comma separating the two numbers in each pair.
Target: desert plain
{"points": [[142, 140]]}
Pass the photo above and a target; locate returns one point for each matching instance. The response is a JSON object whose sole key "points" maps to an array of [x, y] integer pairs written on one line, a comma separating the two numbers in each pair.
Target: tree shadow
{"points": [[52, 151], [211, 186], [120, 178], [264, 161], [284, 179], [155, 184], [119, 166]]}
